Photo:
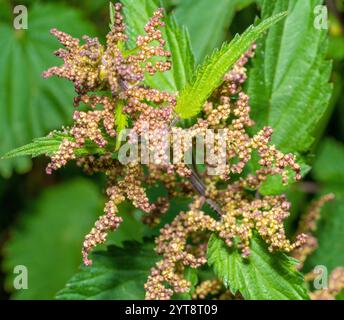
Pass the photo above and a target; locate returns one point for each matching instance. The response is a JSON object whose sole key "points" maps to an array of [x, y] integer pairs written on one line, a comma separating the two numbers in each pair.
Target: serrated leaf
{"points": [[31, 106], [48, 146], [210, 74], [207, 23], [49, 237], [263, 275], [289, 83], [118, 273], [137, 13]]}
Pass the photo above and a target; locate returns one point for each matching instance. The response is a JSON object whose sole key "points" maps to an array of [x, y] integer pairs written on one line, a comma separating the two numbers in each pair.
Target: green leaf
{"points": [[49, 145], [49, 238], [263, 275], [288, 84], [210, 74], [31, 106], [46, 145], [112, 14], [207, 23], [118, 273], [137, 13]]}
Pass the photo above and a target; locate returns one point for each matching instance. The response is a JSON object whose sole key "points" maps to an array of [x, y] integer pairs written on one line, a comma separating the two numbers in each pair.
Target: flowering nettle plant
{"points": [[136, 135]]}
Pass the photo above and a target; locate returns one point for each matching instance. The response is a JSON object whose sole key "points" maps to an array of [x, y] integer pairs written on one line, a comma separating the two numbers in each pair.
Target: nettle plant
{"points": [[137, 98]]}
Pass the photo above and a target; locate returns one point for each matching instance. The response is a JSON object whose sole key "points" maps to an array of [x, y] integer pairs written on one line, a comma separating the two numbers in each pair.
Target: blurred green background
{"points": [[43, 219]]}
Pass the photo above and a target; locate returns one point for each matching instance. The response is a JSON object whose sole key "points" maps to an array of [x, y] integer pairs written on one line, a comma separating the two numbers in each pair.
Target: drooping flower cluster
{"points": [[96, 71], [124, 182], [95, 68], [177, 253]]}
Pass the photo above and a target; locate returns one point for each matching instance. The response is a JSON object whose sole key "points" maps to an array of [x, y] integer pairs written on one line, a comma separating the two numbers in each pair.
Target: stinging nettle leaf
{"points": [[118, 273], [210, 74], [288, 84], [46, 145], [263, 275]]}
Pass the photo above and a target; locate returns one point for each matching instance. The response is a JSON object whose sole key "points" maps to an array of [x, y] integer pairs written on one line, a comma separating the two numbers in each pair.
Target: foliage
{"points": [[260, 276], [210, 74], [118, 273], [48, 145], [289, 82], [29, 105], [289, 88]]}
